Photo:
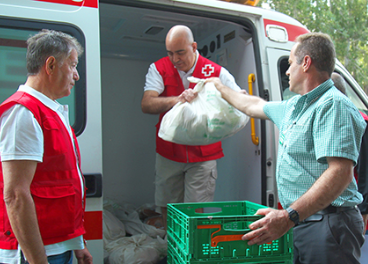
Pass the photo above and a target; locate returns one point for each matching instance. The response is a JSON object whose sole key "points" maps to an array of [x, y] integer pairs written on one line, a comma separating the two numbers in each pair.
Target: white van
{"points": [[121, 38]]}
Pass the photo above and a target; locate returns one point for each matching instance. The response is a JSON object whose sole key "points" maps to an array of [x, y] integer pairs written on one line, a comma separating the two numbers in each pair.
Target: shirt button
{"points": [[8, 233]]}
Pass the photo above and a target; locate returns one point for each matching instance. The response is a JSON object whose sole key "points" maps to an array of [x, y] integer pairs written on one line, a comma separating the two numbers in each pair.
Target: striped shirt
{"points": [[322, 123]]}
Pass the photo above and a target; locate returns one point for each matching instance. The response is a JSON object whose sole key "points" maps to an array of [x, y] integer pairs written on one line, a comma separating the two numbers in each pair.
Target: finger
{"points": [[263, 211], [257, 224], [260, 240], [251, 235]]}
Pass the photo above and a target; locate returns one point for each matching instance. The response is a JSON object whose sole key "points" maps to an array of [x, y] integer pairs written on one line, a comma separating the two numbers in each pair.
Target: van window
{"points": [[355, 98], [13, 72]]}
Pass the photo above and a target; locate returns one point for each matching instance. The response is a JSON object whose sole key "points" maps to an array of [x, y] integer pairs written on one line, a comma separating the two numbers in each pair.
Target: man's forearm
{"points": [[18, 175], [23, 220], [325, 190], [158, 105], [248, 104]]}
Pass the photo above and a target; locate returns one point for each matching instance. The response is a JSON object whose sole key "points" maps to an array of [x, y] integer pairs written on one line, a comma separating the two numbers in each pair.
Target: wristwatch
{"points": [[293, 215]]}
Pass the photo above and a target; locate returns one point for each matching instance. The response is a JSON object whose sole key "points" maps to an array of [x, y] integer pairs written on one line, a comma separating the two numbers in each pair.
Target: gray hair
{"points": [[48, 43]]}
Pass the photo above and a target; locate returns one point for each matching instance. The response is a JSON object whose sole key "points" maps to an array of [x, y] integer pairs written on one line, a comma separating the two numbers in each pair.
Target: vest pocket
{"points": [[5, 228], [55, 207], [56, 137]]}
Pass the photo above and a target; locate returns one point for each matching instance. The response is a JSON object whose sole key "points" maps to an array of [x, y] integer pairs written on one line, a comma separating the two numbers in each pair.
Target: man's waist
{"points": [[335, 209], [328, 210]]}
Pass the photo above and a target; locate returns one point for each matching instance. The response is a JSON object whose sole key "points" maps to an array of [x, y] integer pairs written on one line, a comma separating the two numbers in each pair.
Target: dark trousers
{"points": [[332, 238]]}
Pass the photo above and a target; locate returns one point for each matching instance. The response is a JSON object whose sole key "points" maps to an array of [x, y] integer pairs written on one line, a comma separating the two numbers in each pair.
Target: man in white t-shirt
{"points": [[42, 187]]}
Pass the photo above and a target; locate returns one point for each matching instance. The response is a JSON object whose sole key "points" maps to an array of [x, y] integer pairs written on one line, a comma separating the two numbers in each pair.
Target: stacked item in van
{"points": [[133, 235]]}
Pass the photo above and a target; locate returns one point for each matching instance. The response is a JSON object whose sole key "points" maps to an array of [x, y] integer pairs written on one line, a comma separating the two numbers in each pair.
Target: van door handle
{"points": [[255, 139]]}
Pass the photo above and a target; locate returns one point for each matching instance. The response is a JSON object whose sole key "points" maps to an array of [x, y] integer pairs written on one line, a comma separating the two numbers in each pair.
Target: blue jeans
{"points": [[64, 258]]}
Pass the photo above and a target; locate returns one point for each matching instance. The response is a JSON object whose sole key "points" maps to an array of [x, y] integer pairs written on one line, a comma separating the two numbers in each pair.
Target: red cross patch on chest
{"points": [[207, 70]]}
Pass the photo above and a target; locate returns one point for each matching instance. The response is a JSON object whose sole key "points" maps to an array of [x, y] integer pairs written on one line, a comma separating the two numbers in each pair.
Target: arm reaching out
{"points": [[248, 104]]}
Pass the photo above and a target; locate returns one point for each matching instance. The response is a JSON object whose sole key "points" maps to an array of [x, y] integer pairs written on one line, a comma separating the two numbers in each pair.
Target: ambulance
{"points": [[121, 38]]}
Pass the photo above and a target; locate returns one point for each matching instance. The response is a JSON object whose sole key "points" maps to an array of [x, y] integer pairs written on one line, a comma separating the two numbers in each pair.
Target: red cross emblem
{"points": [[207, 70]]}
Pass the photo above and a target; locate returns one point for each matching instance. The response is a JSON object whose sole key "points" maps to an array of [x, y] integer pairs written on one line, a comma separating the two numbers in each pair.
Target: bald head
{"points": [[181, 47], [339, 82], [180, 32]]}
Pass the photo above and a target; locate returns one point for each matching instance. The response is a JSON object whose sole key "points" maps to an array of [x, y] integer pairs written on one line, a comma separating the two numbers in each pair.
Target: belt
{"points": [[333, 209], [328, 210]]}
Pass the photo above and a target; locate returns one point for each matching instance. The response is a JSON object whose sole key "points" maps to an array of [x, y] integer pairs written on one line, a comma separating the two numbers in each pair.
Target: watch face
{"points": [[293, 215]]}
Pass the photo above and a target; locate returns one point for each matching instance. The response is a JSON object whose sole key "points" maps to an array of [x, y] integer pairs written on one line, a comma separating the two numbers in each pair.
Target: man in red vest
{"points": [[183, 173], [42, 191]]}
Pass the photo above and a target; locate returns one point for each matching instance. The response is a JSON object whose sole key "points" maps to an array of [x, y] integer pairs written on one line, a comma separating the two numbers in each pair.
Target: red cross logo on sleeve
{"points": [[207, 70]]}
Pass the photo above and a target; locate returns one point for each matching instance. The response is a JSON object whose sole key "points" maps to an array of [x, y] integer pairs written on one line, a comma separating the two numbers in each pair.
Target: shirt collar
{"points": [[53, 105], [318, 91]]}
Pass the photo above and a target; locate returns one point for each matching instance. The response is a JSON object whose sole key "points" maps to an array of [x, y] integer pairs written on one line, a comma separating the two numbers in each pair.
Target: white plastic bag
{"points": [[130, 219], [205, 120], [137, 249], [113, 228]]}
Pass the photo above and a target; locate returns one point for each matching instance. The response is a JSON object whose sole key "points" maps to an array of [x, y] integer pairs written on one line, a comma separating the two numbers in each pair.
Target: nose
{"points": [[176, 57], [288, 71], [76, 75]]}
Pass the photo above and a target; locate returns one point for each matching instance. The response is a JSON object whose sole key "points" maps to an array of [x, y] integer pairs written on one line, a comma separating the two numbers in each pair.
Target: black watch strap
{"points": [[293, 215]]}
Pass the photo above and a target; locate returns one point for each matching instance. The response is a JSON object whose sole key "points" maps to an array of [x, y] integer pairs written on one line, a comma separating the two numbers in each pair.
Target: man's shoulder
{"points": [[164, 64], [207, 61], [163, 60]]}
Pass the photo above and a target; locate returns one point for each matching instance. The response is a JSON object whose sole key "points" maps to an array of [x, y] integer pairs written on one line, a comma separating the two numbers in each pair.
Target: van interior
{"points": [[131, 39]]}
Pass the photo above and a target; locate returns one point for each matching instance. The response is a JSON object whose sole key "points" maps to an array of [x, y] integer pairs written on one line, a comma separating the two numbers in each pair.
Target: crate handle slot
{"points": [[222, 238], [212, 210], [238, 230]]}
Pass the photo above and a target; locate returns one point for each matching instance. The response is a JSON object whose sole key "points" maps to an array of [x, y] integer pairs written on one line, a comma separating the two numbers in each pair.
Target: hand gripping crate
{"points": [[214, 236]]}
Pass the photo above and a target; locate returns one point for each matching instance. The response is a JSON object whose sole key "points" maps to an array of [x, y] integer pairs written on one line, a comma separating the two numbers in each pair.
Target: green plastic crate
{"points": [[215, 235]]}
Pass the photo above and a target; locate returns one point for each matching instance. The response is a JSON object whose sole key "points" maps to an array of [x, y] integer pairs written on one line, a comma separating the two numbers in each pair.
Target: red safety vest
{"points": [[174, 87], [56, 186]]}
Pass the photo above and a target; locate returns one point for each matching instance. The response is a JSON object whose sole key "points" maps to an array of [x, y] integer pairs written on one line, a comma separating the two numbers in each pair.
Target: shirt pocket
{"points": [[55, 207], [299, 139]]}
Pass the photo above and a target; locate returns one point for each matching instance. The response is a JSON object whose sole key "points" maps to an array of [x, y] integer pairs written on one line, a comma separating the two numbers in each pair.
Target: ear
{"points": [[307, 62], [50, 65], [194, 46]]}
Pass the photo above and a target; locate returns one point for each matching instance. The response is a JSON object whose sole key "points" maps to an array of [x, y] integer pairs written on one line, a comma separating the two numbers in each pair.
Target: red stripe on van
{"points": [[292, 30], [93, 225], [87, 3]]}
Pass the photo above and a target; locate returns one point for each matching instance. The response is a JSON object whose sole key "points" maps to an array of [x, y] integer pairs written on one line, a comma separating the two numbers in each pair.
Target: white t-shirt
{"points": [[154, 80], [26, 143]]}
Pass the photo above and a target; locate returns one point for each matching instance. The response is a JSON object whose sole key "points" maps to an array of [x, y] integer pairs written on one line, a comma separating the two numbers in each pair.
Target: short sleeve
{"points": [[337, 131], [154, 80], [228, 80], [21, 136], [275, 111]]}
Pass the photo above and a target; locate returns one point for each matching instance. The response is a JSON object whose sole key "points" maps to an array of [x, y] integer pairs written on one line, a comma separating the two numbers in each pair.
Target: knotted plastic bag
{"points": [[137, 249], [205, 120]]}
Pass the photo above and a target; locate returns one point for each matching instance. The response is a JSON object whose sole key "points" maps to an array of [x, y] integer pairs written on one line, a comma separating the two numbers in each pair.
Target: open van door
{"points": [[279, 83]]}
